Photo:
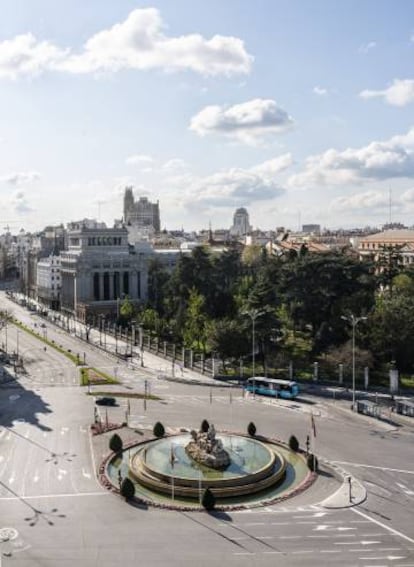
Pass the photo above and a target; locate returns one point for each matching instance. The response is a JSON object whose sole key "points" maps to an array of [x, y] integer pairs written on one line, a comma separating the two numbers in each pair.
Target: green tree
{"points": [[390, 331], [319, 288], [126, 310], [228, 338], [195, 327]]}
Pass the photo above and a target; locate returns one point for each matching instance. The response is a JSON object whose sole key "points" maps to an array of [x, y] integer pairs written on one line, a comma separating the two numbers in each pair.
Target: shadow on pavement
{"points": [[19, 404]]}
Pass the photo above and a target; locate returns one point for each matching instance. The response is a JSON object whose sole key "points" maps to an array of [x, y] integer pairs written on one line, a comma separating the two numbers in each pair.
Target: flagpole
{"points": [[199, 485], [172, 461], [231, 410], [313, 439]]}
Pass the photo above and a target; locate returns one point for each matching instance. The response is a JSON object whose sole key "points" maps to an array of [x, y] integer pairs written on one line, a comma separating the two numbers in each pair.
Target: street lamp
{"points": [[354, 322], [254, 314]]}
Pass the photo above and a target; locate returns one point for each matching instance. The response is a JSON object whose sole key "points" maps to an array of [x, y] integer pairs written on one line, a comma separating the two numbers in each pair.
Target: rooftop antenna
{"points": [[390, 206], [299, 221]]}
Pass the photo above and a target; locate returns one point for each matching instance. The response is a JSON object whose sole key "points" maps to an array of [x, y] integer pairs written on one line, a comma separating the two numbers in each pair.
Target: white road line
{"points": [[392, 530], [66, 495], [372, 467]]}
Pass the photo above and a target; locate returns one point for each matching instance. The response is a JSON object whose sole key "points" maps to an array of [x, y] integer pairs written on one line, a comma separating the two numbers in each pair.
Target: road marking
{"points": [[86, 474], [372, 467], [389, 557], [405, 489], [392, 530]]}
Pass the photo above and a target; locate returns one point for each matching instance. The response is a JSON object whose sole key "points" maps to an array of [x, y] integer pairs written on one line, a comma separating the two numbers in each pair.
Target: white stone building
{"points": [[98, 269], [48, 281]]}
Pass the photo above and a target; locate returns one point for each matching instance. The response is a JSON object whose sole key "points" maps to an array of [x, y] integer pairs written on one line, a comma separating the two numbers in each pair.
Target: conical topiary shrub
{"points": [[205, 426], [293, 443], [115, 443], [159, 430], [251, 429], [127, 489], [208, 500]]}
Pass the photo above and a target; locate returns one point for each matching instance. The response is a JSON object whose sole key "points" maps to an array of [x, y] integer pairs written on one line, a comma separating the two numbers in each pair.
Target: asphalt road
{"points": [[53, 511]]}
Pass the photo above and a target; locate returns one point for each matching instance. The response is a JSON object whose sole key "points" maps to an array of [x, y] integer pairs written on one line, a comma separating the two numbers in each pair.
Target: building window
{"points": [[96, 286], [117, 290], [139, 285], [106, 286], [126, 282]]}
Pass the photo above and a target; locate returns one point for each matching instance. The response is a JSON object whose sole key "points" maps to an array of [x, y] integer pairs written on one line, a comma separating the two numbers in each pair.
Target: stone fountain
{"points": [[207, 450]]}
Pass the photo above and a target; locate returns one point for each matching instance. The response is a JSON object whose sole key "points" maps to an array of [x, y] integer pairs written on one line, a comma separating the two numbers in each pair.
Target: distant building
{"points": [[374, 245], [98, 269], [241, 225], [311, 228], [141, 213], [48, 281]]}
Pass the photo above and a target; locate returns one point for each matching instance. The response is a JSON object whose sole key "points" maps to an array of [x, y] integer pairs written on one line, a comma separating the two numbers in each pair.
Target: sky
{"points": [[302, 112]]}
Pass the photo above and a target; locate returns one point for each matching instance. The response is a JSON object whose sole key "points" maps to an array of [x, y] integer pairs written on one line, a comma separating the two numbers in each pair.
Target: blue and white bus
{"points": [[272, 387]]}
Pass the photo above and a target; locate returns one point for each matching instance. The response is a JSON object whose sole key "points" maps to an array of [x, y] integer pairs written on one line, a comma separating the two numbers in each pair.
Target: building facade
{"points": [[98, 269], [241, 225], [376, 245], [49, 281], [141, 213]]}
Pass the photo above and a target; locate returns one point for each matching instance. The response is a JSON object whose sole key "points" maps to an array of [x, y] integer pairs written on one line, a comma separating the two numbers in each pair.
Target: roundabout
{"points": [[259, 471]]}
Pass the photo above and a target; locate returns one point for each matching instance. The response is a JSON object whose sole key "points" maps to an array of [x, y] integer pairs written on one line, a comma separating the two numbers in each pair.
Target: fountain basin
{"points": [[254, 467]]}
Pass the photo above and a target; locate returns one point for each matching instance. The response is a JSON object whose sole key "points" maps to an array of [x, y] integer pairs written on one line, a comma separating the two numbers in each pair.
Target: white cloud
{"points": [[233, 187], [20, 203], [399, 93], [360, 202], [139, 159], [175, 165], [365, 47], [408, 196], [320, 91], [138, 42], [20, 177], [25, 55], [247, 122], [376, 161]]}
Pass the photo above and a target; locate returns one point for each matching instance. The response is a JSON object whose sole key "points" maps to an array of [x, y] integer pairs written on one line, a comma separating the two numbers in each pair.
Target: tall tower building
{"points": [[141, 213], [241, 225]]}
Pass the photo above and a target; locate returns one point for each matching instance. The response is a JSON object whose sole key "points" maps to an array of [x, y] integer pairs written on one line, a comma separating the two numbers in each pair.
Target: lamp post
{"points": [[354, 322], [133, 323], [254, 314], [100, 329], [141, 347]]}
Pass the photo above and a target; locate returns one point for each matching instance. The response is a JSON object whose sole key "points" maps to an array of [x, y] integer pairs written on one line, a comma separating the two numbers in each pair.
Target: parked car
{"points": [[106, 401]]}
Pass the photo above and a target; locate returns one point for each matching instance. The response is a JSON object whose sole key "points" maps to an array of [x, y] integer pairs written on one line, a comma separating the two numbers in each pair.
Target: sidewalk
{"points": [[351, 492]]}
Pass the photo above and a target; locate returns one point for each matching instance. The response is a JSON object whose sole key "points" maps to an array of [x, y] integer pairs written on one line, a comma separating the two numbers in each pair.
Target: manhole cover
{"points": [[8, 534]]}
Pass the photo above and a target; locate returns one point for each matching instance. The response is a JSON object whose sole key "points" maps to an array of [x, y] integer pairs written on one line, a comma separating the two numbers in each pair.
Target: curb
{"points": [[340, 498]]}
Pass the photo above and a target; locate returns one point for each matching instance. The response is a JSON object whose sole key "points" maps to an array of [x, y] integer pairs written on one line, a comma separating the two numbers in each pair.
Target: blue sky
{"points": [[299, 111]]}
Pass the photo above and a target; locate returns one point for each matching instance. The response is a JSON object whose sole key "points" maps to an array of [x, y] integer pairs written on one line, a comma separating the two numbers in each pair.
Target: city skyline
{"points": [[300, 113]]}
